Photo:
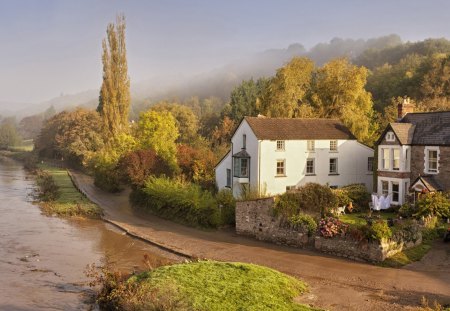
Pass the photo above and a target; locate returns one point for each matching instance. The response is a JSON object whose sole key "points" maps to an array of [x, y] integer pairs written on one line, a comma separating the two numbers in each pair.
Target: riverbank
{"points": [[335, 283]]}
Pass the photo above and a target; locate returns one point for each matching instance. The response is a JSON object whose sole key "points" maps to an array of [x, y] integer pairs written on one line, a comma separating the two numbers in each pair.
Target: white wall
{"points": [[403, 183], [352, 164], [221, 171]]}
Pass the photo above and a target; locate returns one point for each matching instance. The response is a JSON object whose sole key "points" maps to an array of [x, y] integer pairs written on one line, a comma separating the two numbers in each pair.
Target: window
{"points": [[390, 136], [281, 168], [310, 167], [228, 178], [432, 161], [370, 164], [241, 167], [310, 145], [333, 145], [280, 145], [384, 188], [244, 141], [395, 192], [396, 159], [333, 166], [385, 158]]}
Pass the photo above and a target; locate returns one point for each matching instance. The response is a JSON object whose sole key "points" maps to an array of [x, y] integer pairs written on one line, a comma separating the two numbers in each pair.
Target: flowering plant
{"points": [[330, 227]]}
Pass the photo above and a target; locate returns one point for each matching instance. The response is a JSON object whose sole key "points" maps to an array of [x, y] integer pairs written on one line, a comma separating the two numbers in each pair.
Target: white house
{"points": [[272, 155]]}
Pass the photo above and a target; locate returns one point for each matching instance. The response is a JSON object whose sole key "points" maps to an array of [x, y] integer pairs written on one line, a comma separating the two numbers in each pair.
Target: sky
{"points": [[53, 47]]}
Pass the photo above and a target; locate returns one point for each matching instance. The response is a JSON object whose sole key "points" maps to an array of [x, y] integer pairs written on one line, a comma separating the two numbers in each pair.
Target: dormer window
{"points": [[280, 145], [310, 145], [333, 145], [244, 141], [390, 136]]}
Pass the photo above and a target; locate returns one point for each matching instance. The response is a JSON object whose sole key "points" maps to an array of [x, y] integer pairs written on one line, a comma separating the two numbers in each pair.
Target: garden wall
{"points": [[256, 219]]}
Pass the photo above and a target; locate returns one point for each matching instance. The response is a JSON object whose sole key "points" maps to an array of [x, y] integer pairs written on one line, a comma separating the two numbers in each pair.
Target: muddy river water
{"points": [[42, 259]]}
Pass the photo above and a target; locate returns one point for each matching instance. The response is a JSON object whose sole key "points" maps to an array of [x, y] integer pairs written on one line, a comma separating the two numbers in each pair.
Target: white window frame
{"points": [[385, 162], [313, 166], [310, 145], [384, 191], [395, 192], [283, 167], [336, 166], [281, 145], [333, 145], [396, 159], [427, 151], [390, 136]]}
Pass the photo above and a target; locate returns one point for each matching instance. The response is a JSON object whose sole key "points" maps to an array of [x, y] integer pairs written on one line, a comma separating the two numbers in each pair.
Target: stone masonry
{"points": [[418, 162]]}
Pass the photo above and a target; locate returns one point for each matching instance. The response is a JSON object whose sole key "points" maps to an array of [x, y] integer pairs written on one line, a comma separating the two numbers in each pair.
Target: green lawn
{"points": [[358, 218], [70, 201], [209, 285]]}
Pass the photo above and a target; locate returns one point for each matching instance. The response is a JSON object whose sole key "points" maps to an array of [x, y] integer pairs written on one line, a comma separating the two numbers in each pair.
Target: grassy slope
{"points": [[70, 201], [209, 285]]}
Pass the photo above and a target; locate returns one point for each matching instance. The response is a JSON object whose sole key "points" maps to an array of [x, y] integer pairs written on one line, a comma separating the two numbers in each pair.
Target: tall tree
{"points": [[114, 101]]}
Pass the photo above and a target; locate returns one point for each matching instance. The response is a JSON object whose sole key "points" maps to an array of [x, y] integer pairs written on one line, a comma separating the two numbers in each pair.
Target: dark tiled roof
{"points": [[241, 154], [297, 129], [431, 128], [404, 132], [432, 184]]}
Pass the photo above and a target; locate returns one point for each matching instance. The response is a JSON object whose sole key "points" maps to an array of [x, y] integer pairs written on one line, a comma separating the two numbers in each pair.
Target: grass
{"points": [[407, 256], [70, 202], [209, 285], [358, 218]]}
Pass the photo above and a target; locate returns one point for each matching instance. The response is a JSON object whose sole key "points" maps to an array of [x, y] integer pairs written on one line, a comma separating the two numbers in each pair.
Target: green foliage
{"points": [[358, 194], [434, 204], [178, 200], [304, 221], [209, 285], [407, 210], [106, 175], [158, 131], [342, 197], [407, 256], [227, 205], [8, 133], [379, 230], [48, 190], [312, 198], [114, 101]]}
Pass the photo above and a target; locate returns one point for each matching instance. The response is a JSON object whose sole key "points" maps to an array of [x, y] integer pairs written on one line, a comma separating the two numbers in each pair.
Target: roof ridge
{"points": [[285, 118]]}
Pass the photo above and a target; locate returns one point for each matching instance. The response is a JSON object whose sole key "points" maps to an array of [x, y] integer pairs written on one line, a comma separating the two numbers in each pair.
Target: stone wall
{"points": [[418, 162], [256, 219]]}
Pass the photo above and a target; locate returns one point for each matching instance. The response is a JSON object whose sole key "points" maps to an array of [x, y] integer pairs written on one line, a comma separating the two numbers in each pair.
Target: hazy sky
{"points": [[53, 47]]}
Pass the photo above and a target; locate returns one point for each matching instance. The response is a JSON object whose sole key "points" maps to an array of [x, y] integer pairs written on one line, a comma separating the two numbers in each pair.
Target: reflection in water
{"points": [[42, 258]]}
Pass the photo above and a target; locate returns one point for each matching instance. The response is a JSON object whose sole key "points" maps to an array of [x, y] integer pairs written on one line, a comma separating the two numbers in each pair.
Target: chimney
{"points": [[403, 108]]}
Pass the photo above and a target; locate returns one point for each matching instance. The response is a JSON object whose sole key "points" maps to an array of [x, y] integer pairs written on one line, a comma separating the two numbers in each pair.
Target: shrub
{"points": [[407, 210], [304, 221], [342, 197], [434, 204], [48, 190], [312, 198], [379, 230], [358, 195], [178, 200], [106, 173], [330, 227], [227, 205]]}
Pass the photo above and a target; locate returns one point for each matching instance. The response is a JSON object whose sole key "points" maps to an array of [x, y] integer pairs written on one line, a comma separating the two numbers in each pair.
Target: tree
{"points": [[30, 127], [114, 101], [8, 133], [186, 121], [158, 131], [339, 93], [289, 88]]}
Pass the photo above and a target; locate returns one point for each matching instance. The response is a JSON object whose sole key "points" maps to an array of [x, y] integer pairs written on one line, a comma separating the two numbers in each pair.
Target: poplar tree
{"points": [[114, 101]]}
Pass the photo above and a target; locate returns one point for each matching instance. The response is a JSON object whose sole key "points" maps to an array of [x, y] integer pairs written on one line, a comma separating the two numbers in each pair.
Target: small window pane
{"points": [[370, 164], [333, 166], [280, 167], [386, 155], [311, 145], [228, 177], [396, 159], [333, 145], [280, 144], [432, 161], [244, 167], [395, 192], [384, 188], [310, 166]]}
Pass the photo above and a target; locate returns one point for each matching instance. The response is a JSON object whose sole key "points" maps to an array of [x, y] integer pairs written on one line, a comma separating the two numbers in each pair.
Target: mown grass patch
{"points": [[407, 256], [69, 201], [358, 218], [209, 285]]}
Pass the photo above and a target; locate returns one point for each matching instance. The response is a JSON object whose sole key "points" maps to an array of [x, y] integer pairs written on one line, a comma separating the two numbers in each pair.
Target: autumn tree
{"points": [[114, 101], [8, 133], [288, 90]]}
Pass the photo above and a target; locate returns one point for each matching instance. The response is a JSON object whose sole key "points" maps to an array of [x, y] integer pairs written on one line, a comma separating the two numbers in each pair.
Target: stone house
{"points": [[272, 155], [414, 154]]}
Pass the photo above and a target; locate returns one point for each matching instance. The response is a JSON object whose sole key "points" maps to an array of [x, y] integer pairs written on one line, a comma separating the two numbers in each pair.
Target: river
{"points": [[43, 259]]}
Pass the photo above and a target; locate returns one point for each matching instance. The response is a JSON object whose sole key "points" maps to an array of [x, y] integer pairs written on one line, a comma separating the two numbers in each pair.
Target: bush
{"points": [[358, 195], [331, 227], [434, 204], [178, 200], [48, 190], [227, 205], [312, 197], [379, 230], [303, 221], [406, 231], [342, 197], [407, 210]]}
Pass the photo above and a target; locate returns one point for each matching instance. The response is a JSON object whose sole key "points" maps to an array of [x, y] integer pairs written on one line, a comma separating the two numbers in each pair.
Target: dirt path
{"points": [[336, 284]]}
